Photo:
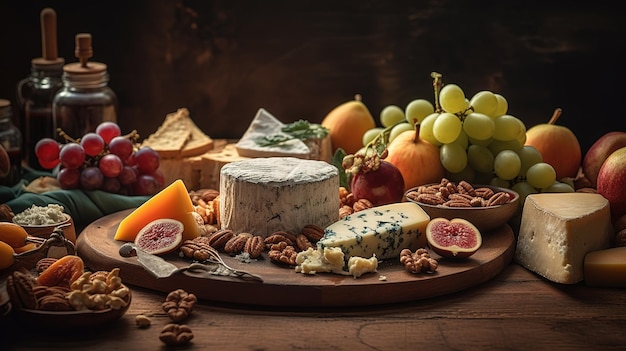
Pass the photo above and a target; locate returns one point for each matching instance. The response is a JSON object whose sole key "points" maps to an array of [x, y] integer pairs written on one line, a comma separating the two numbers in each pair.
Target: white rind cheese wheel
{"points": [[266, 195]]}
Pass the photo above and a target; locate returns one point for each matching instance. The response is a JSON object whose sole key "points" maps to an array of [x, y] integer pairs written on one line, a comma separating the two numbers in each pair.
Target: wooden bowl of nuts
{"points": [[487, 207]]}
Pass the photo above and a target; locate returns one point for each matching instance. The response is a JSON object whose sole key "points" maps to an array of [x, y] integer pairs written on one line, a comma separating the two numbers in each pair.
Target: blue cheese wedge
{"points": [[264, 124], [381, 231]]}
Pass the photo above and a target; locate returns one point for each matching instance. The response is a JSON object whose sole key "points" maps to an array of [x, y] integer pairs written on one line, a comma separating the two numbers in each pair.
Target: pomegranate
{"points": [[382, 186], [456, 238]]}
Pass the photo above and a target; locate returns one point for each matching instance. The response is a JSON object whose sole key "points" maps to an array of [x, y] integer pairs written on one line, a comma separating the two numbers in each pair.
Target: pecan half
{"points": [[279, 236], [20, 288], [430, 199], [303, 242], [254, 246], [196, 248], [313, 232], [466, 188], [499, 198], [218, 239], [484, 192], [44, 263], [237, 243], [457, 203]]}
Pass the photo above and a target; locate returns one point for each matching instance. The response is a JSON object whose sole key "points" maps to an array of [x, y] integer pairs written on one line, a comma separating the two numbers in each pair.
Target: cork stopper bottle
{"points": [[86, 99], [36, 92]]}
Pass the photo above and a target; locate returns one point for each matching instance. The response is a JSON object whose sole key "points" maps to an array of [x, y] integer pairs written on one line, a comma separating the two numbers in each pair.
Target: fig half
{"points": [[160, 236], [456, 238]]}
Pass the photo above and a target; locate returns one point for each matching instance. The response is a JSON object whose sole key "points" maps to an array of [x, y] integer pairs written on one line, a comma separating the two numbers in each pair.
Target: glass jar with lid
{"points": [[11, 140], [35, 92], [85, 100]]}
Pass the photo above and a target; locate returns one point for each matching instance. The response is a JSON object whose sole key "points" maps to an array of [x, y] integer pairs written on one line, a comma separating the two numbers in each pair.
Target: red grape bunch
{"points": [[102, 160]]}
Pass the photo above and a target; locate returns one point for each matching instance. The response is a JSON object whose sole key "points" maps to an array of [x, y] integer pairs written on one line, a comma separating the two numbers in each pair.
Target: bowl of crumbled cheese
{"points": [[41, 221]]}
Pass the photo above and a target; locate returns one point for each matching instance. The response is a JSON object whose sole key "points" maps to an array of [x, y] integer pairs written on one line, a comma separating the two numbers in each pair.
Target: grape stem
{"points": [[555, 116], [65, 136], [437, 85]]}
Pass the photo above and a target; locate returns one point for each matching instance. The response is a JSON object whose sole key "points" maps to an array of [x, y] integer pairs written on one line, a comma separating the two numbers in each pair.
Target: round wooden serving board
{"points": [[283, 287]]}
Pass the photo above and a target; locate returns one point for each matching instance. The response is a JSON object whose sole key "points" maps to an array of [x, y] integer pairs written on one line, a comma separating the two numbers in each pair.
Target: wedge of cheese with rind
{"points": [[172, 202], [557, 230], [381, 231], [264, 124]]}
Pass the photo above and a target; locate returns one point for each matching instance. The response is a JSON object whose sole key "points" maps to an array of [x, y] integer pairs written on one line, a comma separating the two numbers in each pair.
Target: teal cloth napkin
{"points": [[84, 206]]}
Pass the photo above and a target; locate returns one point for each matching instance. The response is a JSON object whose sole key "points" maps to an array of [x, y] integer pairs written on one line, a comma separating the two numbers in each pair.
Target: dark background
{"points": [[298, 59]]}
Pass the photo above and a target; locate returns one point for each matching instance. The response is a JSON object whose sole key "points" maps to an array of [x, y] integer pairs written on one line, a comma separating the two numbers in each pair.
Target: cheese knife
{"points": [[160, 268]]}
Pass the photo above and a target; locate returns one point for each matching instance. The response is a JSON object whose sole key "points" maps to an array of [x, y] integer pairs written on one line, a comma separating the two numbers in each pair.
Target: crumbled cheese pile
{"points": [[39, 215]]}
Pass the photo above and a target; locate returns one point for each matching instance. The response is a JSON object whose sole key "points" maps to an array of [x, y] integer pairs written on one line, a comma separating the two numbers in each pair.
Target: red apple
{"points": [[612, 182], [382, 186], [558, 145], [599, 151]]}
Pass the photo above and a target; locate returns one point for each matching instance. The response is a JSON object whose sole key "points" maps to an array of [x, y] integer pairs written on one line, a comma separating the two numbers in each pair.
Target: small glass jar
{"points": [[11, 140], [34, 99], [85, 100]]}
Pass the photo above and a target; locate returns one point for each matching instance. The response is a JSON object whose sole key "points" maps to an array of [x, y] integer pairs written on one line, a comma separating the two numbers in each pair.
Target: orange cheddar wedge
{"points": [[172, 202]]}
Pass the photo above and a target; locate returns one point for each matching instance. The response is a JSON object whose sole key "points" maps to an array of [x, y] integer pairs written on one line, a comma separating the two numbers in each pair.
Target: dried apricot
{"points": [[6, 255], [62, 272]]}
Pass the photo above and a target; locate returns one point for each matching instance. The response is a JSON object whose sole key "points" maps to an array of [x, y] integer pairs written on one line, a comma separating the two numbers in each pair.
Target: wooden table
{"points": [[515, 310]]}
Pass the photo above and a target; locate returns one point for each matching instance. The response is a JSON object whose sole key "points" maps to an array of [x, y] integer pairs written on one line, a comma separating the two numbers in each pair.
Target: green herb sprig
{"points": [[301, 130]]}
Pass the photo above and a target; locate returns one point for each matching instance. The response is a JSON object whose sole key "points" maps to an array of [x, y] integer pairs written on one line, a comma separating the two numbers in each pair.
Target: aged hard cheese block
{"points": [[265, 195], [382, 231], [212, 163], [172, 202], [186, 169], [606, 268], [264, 124], [557, 231]]}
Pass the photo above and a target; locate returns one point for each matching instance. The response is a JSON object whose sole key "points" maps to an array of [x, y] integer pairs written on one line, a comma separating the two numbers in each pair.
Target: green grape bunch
{"points": [[479, 140]]}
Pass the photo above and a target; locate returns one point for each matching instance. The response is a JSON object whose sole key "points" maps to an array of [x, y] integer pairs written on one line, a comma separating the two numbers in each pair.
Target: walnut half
{"points": [[178, 304], [176, 334], [418, 261]]}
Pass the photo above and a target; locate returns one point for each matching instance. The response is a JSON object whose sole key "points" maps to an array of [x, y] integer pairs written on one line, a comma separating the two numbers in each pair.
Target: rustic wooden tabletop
{"points": [[515, 310]]}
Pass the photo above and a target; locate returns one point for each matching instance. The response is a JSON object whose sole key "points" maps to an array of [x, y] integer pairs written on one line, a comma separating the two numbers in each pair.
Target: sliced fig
{"points": [[160, 236], [456, 238]]}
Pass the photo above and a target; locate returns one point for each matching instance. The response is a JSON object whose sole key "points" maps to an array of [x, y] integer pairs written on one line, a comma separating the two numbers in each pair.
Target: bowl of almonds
{"points": [[487, 207]]}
